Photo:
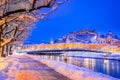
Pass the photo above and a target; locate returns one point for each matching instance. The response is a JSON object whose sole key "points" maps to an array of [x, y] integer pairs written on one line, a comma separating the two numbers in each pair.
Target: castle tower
{"points": [[109, 37], [98, 38]]}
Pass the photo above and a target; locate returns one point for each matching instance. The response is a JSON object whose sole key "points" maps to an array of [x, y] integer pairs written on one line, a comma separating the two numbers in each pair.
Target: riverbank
{"points": [[72, 71]]}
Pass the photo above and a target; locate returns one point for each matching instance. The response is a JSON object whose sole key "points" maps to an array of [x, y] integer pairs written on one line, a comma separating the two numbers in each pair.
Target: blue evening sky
{"points": [[102, 15]]}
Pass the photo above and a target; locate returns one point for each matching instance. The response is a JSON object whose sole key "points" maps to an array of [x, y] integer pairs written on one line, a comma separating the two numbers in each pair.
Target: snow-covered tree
{"points": [[17, 15]]}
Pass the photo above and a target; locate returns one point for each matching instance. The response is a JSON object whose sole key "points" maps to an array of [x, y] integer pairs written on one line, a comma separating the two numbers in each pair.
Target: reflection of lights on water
{"points": [[106, 63], [51, 57], [99, 65], [118, 67], [58, 58], [70, 59], [112, 66], [86, 61], [93, 64]]}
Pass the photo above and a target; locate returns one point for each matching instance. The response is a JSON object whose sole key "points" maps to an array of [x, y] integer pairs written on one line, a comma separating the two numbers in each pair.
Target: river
{"points": [[105, 66]]}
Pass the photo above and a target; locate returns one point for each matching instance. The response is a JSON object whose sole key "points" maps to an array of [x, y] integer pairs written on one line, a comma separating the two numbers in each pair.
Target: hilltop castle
{"points": [[88, 36]]}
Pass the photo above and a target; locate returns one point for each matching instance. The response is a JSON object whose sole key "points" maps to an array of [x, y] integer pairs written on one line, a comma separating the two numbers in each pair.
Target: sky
{"points": [[101, 15]]}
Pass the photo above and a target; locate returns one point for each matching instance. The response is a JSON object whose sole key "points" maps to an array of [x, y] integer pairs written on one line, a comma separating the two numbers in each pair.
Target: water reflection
{"points": [[109, 67]]}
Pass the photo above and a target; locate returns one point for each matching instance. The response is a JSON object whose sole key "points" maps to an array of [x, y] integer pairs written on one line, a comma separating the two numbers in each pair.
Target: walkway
{"points": [[33, 70]]}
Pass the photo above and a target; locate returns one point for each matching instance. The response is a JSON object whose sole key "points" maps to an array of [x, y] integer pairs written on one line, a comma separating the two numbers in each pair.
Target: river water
{"points": [[105, 66]]}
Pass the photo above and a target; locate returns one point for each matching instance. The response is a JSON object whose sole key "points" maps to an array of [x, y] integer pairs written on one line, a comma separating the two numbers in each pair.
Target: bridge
{"points": [[58, 51], [61, 51], [67, 47]]}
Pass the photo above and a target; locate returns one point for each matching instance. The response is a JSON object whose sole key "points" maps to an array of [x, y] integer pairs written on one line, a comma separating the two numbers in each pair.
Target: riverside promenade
{"points": [[33, 70], [31, 67]]}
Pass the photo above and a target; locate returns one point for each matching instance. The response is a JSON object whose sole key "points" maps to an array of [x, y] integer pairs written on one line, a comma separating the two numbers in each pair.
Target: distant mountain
{"points": [[84, 36]]}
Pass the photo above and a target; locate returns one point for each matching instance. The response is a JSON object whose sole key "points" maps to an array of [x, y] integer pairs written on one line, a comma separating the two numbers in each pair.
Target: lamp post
{"points": [[65, 57]]}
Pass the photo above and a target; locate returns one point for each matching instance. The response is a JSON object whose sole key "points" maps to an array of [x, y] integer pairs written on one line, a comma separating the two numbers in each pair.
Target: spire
{"points": [[51, 41]]}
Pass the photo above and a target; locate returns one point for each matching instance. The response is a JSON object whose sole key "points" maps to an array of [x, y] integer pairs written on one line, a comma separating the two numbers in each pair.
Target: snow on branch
{"points": [[3, 2], [16, 17], [17, 6], [6, 41]]}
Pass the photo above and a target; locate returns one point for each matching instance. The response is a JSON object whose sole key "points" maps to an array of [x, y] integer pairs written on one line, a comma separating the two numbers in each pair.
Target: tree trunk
{"points": [[1, 52], [10, 47], [7, 50], [1, 48]]}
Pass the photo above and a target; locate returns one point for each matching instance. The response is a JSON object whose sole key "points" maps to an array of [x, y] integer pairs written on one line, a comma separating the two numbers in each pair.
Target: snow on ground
{"points": [[72, 71], [3, 64], [8, 68], [115, 56]]}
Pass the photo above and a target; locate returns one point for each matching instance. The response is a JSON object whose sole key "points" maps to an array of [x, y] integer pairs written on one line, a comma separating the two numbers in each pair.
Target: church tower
{"points": [[51, 41]]}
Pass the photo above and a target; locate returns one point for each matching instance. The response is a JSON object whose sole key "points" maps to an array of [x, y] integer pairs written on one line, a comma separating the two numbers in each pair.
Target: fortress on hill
{"points": [[88, 36]]}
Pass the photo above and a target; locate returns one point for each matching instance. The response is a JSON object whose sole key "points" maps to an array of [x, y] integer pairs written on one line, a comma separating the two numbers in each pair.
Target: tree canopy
{"points": [[17, 18]]}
